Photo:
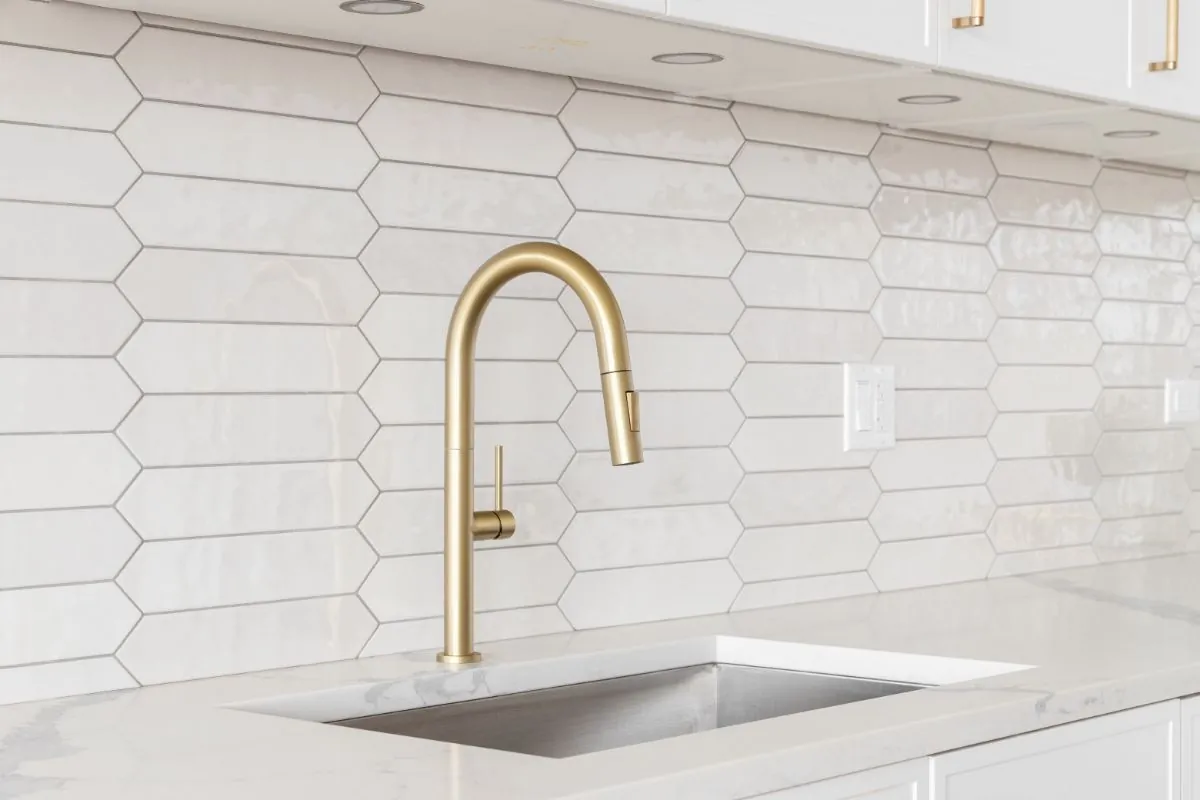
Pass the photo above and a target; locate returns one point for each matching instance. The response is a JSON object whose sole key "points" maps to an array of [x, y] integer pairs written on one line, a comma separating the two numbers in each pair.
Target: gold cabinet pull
{"points": [[978, 15], [1172, 62]]}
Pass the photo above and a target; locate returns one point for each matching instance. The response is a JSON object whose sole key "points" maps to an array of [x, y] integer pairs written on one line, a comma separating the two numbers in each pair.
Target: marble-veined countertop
{"points": [[1102, 638]]}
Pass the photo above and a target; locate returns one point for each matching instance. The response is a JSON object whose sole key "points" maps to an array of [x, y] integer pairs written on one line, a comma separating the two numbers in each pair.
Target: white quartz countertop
{"points": [[1103, 638]]}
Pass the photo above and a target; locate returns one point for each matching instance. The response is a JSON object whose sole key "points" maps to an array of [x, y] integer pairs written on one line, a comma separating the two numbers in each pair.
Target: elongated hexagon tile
{"points": [[665, 95], [466, 82], [1131, 322], [931, 364], [46, 548], [1053, 205], [798, 551], [235, 32], [1129, 452], [1144, 237], [1143, 279], [1043, 480], [646, 594], [763, 124], [1042, 388], [787, 390], [1021, 528], [167, 65], [49, 87], [666, 304], [190, 430], [670, 477], [1044, 341], [933, 463], [928, 215], [643, 536], [1131, 192], [183, 357], [411, 522], [1023, 249], [44, 471], [637, 126], [1029, 561], [415, 326], [660, 361], [924, 513], [187, 502], [430, 132], [920, 264], [410, 587], [1142, 495], [81, 29], [919, 164], [795, 498], [245, 145], [240, 287], [784, 226], [506, 391], [637, 185], [1193, 223], [224, 641], [50, 241], [1132, 365], [793, 173], [52, 679], [765, 279], [1042, 434], [1130, 409], [166, 211], [669, 419], [57, 165], [930, 562], [770, 445], [943, 414], [449, 198], [63, 622], [659, 245], [490, 626], [1141, 537], [1044, 296], [1027, 162], [767, 594], [767, 334], [1193, 304], [233, 570], [920, 314], [59, 319], [63, 395]]}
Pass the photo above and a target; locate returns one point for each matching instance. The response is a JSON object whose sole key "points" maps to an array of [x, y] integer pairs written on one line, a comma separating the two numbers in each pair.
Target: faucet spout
{"points": [[621, 412]]}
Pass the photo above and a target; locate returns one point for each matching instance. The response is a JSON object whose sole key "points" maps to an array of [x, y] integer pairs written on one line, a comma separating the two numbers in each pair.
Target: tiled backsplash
{"points": [[228, 267]]}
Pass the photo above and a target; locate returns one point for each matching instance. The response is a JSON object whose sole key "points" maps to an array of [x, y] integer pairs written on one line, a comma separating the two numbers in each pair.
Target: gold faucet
{"points": [[463, 523]]}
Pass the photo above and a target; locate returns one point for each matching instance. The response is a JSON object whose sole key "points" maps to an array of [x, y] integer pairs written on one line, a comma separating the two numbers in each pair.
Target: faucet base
{"points": [[469, 658]]}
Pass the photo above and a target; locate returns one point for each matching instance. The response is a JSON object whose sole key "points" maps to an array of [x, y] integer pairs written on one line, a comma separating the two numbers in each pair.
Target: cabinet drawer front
{"points": [[1125, 756], [907, 781]]}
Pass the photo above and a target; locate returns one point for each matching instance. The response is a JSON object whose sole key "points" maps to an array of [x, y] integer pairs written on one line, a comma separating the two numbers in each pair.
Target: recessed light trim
{"points": [[929, 99], [688, 59], [1131, 134], [382, 6]]}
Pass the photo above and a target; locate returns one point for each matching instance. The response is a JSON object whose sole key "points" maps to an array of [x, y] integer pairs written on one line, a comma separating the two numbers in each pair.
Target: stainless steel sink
{"points": [[584, 718]]}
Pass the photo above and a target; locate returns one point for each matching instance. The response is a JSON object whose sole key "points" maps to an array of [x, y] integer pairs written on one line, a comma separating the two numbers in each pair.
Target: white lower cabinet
{"points": [[1131, 755], [907, 781], [1189, 746]]}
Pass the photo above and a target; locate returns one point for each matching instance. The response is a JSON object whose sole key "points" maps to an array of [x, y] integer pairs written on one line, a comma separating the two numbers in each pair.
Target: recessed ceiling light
{"points": [[382, 6], [1131, 134], [930, 99], [688, 58]]}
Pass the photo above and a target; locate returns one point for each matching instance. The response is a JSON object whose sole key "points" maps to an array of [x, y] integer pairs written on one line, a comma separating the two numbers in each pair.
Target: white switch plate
{"points": [[868, 407], [1182, 402]]}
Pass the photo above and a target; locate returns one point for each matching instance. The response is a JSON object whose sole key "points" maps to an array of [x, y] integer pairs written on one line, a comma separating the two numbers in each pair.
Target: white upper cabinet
{"points": [[891, 29], [1155, 41], [1073, 46]]}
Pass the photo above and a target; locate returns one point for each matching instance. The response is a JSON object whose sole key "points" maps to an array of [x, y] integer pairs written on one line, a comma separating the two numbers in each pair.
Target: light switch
{"points": [[1182, 402], [869, 407]]}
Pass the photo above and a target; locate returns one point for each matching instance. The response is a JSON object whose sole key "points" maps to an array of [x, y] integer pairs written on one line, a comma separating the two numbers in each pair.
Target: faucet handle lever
{"points": [[498, 523], [499, 477]]}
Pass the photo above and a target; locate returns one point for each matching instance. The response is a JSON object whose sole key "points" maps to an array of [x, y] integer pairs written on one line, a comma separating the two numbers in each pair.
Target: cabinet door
{"points": [[1189, 758], [907, 781], [894, 29], [1132, 755], [1174, 91], [1074, 46]]}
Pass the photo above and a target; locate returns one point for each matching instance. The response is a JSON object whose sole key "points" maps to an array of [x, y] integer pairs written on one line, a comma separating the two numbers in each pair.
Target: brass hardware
{"points": [[977, 18], [1172, 62], [463, 523]]}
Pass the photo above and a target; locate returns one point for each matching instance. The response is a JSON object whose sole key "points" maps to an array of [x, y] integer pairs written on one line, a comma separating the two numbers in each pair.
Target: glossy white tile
{"points": [[943, 414], [776, 445], [52, 241], [1023, 528], [1046, 165], [667, 361], [795, 498], [918, 214], [924, 513], [784, 226], [1143, 323], [79, 28], [638, 185], [637, 126], [1045, 434], [805, 336], [1131, 192], [657, 245], [514, 623], [62, 470], [668, 478], [50, 548], [918, 264], [638, 537], [1130, 452], [816, 176], [938, 364], [919, 164], [933, 463], [920, 314], [41, 318], [790, 390], [798, 551], [1016, 294], [1144, 237], [666, 304], [669, 419], [1031, 561], [802, 590], [763, 124], [925, 562], [1131, 365], [57, 165], [1143, 279], [62, 678], [1043, 480], [1041, 388], [1023, 249], [233, 32], [63, 395], [645, 594], [62, 622], [1052, 205], [772, 280], [46, 87], [1044, 341]]}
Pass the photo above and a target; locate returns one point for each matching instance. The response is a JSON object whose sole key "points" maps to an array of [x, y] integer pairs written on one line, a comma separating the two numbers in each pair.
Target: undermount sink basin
{"points": [[600, 715]]}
